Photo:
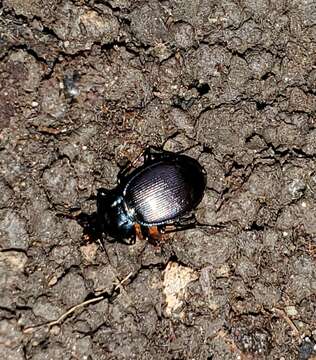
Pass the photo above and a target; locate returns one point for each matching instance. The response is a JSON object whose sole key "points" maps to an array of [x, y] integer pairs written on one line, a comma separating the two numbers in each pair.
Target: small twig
{"points": [[283, 315], [30, 329], [123, 281], [58, 321]]}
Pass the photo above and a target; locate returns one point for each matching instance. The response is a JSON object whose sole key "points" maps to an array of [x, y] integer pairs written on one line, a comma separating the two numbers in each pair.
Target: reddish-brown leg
{"points": [[138, 232], [154, 233]]}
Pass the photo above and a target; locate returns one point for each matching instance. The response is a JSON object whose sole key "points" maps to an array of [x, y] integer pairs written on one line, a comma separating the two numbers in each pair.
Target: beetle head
{"points": [[112, 217]]}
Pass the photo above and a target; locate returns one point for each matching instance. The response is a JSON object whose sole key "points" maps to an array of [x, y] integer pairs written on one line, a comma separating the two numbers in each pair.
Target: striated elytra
{"points": [[157, 197]]}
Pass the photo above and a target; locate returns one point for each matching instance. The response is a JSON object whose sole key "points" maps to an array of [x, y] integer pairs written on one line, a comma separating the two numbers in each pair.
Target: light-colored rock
{"points": [[176, 279]]}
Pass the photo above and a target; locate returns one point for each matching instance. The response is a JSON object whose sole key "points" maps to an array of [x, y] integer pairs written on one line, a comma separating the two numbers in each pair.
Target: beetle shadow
{"points": [[91, 228]]}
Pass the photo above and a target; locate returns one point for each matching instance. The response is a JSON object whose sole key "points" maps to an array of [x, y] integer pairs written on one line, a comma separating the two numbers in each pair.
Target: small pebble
{"points": [[291, 311], [55, 330]]}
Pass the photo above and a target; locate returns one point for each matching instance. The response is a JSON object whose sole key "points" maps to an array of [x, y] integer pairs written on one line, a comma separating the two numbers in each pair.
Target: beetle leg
{"points": [[154, 233], [171, 228], [188, 219], [129, 167], [138, 232], [183, 223], [125, 171], [152, 153]]}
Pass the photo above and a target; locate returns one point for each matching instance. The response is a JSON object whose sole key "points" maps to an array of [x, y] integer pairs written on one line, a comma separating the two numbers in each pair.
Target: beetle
{"points": [[156, 197]]}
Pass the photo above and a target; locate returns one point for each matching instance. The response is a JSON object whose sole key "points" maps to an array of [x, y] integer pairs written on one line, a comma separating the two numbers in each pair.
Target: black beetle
{"points": [[157, 197]]}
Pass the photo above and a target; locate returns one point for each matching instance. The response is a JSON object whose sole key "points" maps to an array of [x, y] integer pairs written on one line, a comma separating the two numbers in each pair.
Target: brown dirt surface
{"points": [[85, 87]]}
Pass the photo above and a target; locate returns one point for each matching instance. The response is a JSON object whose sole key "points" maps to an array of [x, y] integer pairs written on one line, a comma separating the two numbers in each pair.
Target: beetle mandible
{"points": [[155, 198]]}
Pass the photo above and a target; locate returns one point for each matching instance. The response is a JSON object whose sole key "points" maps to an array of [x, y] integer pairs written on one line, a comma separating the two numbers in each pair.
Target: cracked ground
{"points": [[85, 87]]}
